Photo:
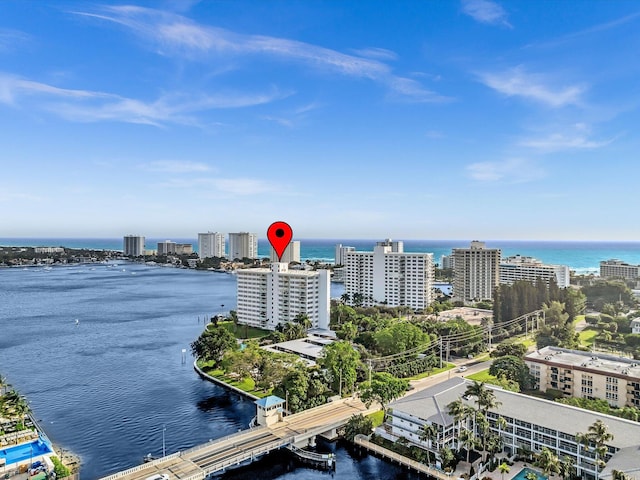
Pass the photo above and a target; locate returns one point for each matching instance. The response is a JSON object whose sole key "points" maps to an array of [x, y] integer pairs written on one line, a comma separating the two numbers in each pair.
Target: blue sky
{"points": [[351, 119]]}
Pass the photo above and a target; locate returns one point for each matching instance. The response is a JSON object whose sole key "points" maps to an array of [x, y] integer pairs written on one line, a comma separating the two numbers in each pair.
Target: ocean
{"points": [[581, 256]]}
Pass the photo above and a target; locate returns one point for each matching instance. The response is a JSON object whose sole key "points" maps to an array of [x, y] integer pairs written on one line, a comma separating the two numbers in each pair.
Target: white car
{"points": [[462, 369]]}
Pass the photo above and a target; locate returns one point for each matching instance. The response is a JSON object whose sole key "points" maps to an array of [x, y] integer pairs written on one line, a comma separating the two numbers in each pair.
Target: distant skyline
{"points": [[466, 119]]}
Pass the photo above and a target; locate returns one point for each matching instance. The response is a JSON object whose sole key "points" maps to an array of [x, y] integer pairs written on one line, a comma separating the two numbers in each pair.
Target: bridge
{"points": [[215, 456]]}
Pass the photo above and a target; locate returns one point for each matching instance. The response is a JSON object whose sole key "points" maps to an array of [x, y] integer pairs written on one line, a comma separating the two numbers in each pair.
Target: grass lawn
{"points": [[578, 319], [447, 366], [244, 331], [377, 418], [587, 336], [246, 384], [482, 376]]}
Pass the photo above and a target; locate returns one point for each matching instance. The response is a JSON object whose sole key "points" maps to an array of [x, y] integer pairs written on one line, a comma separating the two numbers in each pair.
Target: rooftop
{"points": [[586, 360], [431, 405], [309, 348]]}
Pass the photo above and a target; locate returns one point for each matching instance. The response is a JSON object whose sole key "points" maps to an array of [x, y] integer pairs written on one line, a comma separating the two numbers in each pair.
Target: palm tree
{"points": [[567, 467], [504, 468], [548, 461], [345, 297], [428, 434], [468, 441], [598, 434], [460, 412]]}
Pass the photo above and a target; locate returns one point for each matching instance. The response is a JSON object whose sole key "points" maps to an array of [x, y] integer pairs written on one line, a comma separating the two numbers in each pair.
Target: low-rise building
{"points": [[587, 375], [530, 424], [635, 325]]}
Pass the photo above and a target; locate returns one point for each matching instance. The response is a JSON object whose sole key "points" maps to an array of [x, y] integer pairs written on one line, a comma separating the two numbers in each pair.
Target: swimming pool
{"points": [[522, 474], [23, 452]]}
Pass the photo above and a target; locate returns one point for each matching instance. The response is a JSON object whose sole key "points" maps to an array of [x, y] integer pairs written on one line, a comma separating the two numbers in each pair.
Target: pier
{"points": [[296, 430]]}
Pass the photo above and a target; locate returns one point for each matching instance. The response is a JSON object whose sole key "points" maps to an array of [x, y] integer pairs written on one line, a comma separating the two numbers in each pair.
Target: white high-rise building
{"points": [[243, 245], [211, 244], [476, 272], [447, 262], [389, 276], [290, 254], [518, 267], [341, 250], [133, 245], [269, 296]]}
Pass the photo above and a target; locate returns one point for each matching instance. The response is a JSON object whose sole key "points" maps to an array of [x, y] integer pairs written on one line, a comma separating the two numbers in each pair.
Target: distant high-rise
{"points": [[618, 269], [446, 262], [518, 267], [389, 276], [476, 272], [211, 244], [243, 245], [290, 254], [133, 245], [341, 250], [167, 247], [270, 296]]}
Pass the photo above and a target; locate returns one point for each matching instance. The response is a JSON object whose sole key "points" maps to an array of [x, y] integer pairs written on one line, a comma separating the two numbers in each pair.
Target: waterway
{"points": [[105, 386]]}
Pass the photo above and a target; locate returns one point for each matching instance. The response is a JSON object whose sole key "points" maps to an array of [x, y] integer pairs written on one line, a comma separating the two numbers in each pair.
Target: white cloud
{"points": [[234, 186], [93, 106], [561, 141], [176, 166], [517, 82], [485, 11], [9, 39], [378, 53], [507, 171], [175, 34]]}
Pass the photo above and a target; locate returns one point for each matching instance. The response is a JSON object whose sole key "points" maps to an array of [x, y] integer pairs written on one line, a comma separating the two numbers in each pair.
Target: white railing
{"points": [[143, 466]]}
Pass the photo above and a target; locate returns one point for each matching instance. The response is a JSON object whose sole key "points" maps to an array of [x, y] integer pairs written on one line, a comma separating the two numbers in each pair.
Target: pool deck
{"points": [[513, 471]]}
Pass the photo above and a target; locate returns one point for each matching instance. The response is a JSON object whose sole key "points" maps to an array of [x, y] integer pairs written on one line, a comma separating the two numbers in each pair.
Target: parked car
{"points": [[462, 369]]}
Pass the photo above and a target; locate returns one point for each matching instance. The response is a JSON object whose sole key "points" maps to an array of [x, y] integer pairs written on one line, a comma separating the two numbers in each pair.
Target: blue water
{"points": [[25, 451], [104, 388], [583, 257], [522, 473]]}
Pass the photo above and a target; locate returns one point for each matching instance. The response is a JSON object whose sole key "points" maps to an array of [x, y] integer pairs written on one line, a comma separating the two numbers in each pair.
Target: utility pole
{"points": [[164, 427], [370, 368], [440, 345]]}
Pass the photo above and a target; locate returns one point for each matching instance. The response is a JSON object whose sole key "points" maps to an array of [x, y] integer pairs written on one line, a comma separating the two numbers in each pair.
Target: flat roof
{"points": [[600, 362], [309, 348], [431, 405]]}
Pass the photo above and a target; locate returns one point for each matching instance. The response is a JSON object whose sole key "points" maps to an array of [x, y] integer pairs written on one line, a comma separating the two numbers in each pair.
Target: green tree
{"points": [[59, 468], [567, 467], [596, 439], [399, 337], [383, 388], [212, 344], [512, 349], [446, 457], [504, 468], [348, 331], [357, 425], [429, 435], [548, 461], [513, 368], [341, 361]]}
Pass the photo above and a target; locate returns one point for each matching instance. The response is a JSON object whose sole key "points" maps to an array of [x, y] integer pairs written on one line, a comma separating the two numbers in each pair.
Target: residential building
{"points": [[389, 276], [530, 269], [447, 262], [476, 272], [133, 245], [309, 349], [635, 325], [243, 245], [211, 244], [290, 254], [167, 247], [341, 250], [184, 248], [618, 269], [531, 424], [48, 250], [270, 296], [587, 375]]}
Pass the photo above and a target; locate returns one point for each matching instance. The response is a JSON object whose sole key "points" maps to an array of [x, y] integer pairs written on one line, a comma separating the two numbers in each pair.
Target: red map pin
{"points": [[279, 235]]}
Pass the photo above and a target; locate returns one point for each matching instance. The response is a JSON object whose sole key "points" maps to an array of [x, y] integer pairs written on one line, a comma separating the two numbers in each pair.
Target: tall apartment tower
{"points": [[476, 272], [290, 254], [133, 245], [211, 244], [270, 296], [243, 245], [167, 247], [341, 250], [390, 276]]}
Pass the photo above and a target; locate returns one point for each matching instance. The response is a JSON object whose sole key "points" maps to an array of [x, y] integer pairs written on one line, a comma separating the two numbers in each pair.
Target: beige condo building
{"points": [[587, 375]]}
